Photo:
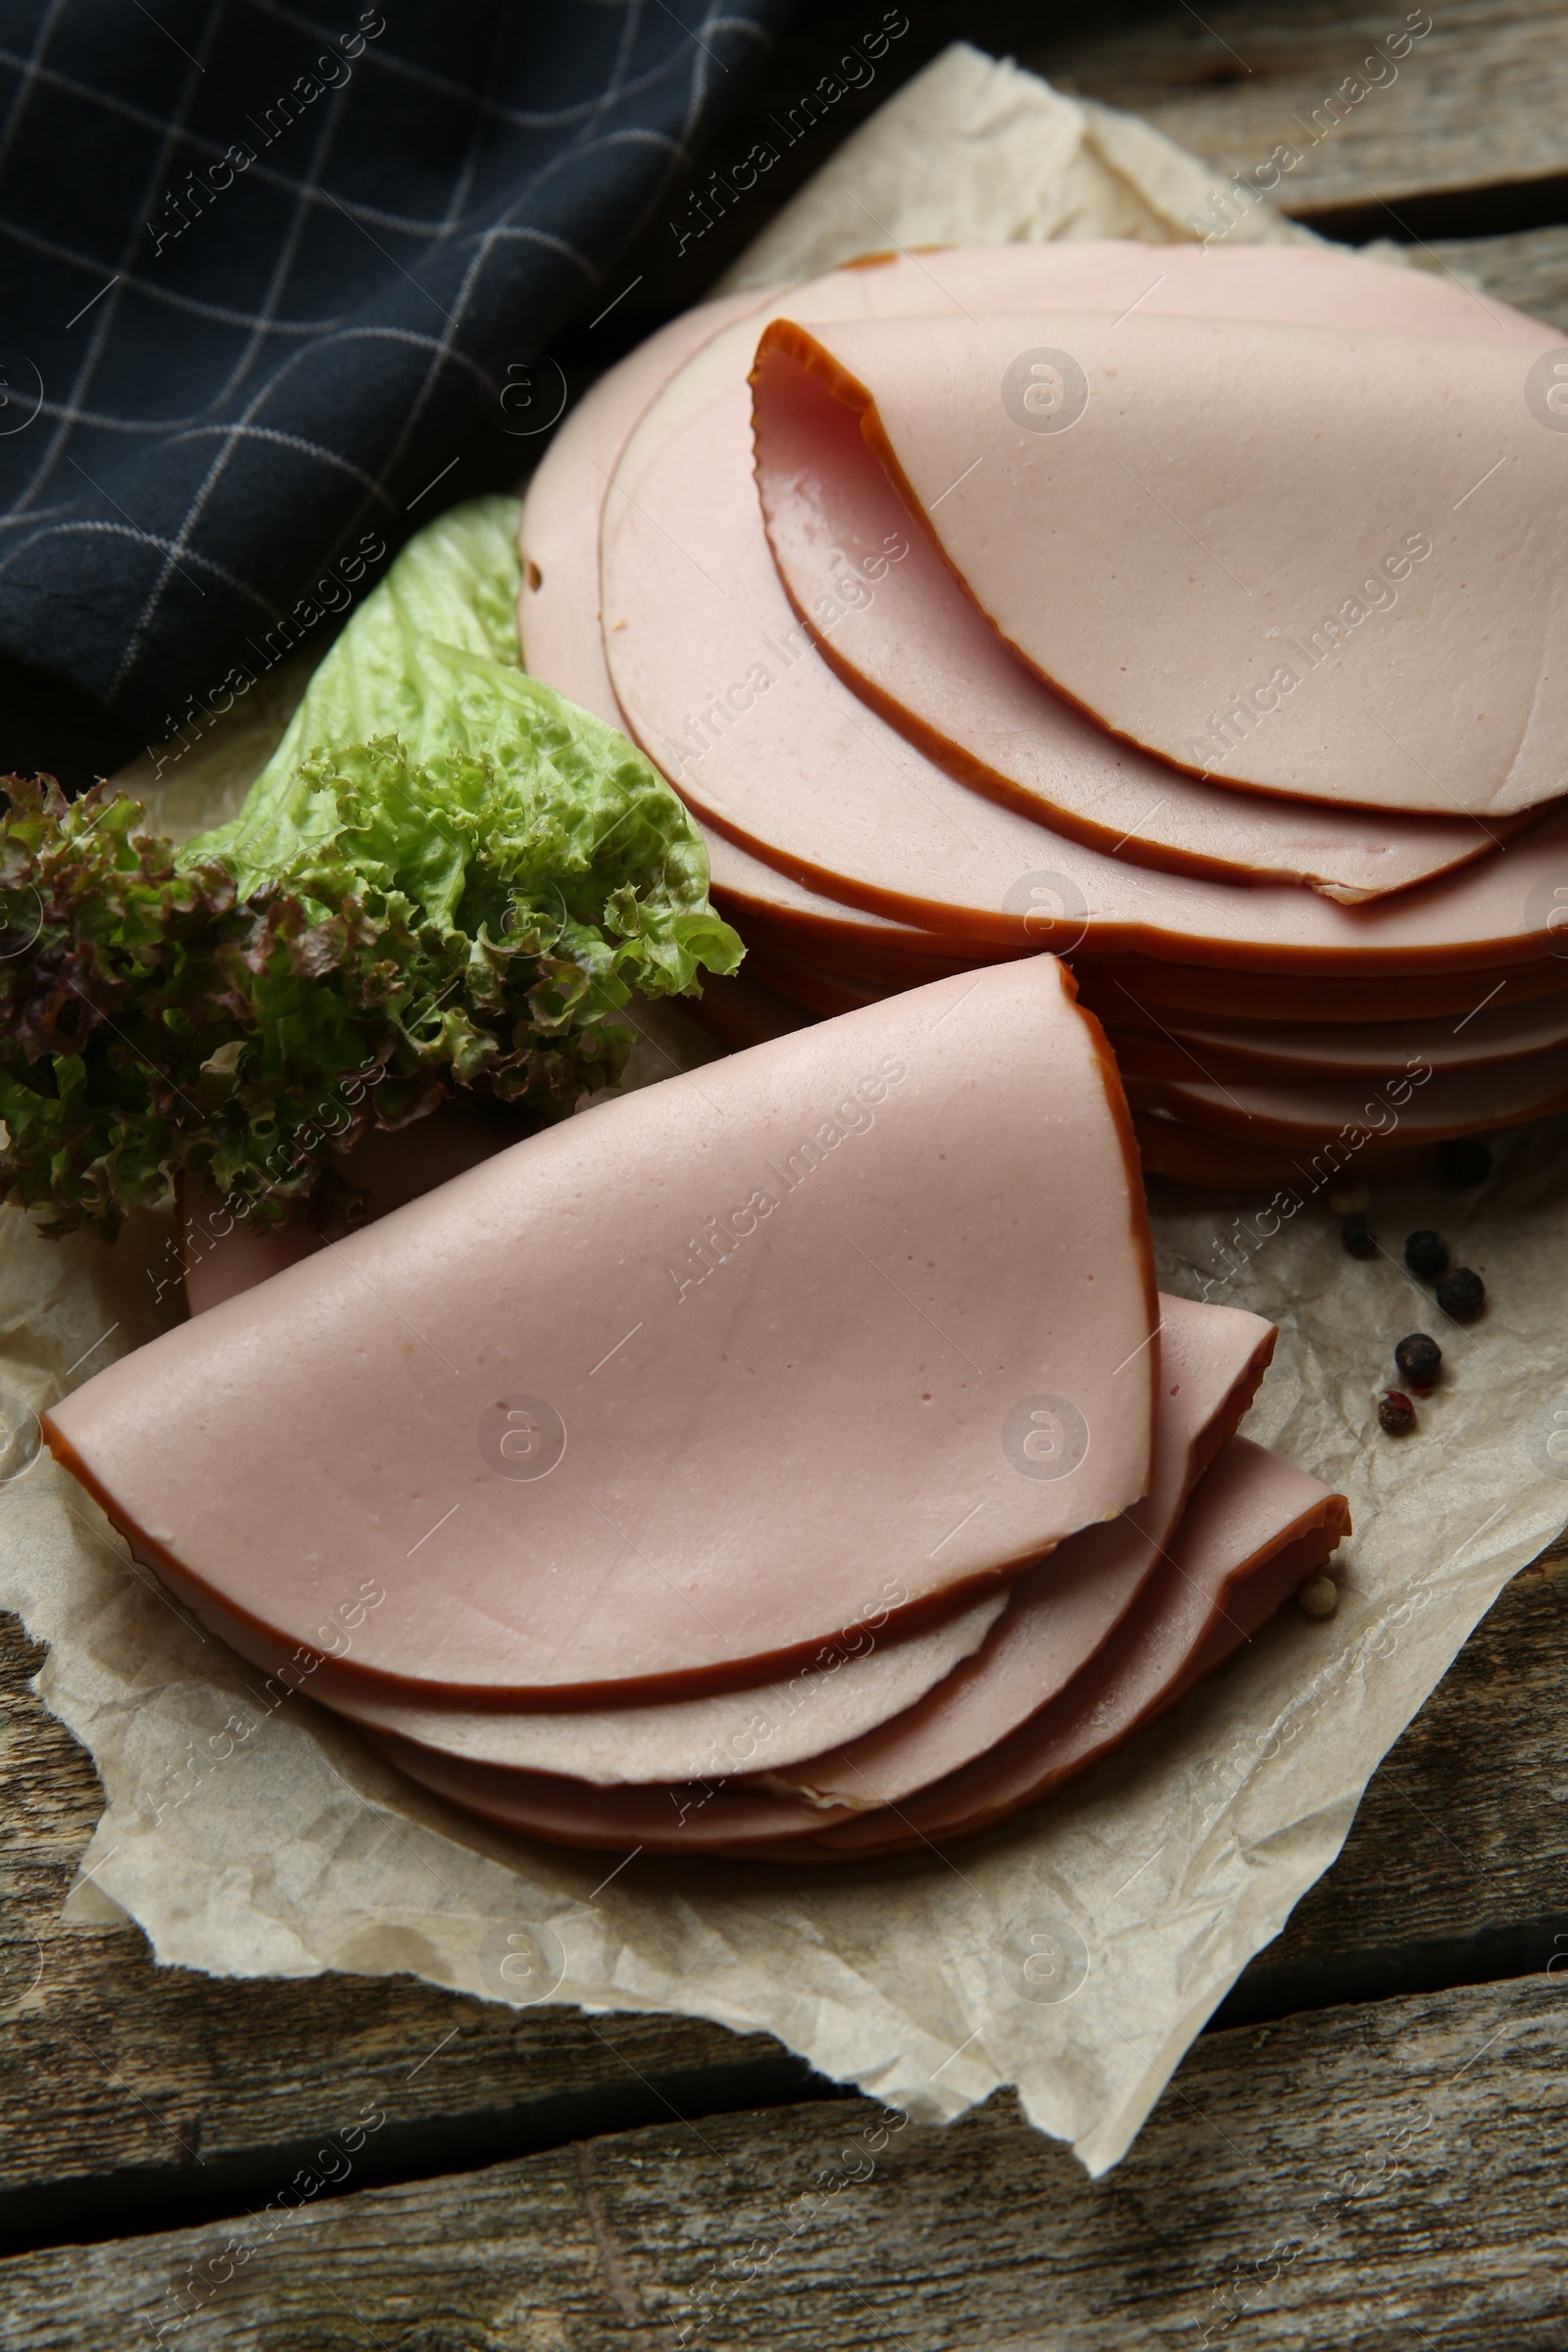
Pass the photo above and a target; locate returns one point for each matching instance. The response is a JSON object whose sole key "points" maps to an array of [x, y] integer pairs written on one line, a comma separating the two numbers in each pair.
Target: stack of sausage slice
{"points": [[1200, 614], [792, 1460]]}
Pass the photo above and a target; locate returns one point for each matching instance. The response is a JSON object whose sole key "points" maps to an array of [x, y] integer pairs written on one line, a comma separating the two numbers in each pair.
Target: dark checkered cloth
{"points": [[275, 285]]}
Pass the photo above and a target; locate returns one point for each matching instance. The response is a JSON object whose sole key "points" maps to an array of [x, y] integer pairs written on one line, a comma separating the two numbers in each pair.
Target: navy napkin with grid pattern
{"points": [[277, 283]]}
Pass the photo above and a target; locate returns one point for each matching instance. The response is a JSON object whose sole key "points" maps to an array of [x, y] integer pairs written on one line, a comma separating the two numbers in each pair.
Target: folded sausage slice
{"points": [[850, 938], [1200, 1050], [1211, 1359], [864, 1675], [559, 607], [222, 1257], [1120, 987], [1232, 542], [657, 1400], [1410, 1100], [1255, 1527], [723, 688], [1058, 1615], [1197, 1155], [889, 615], [686, 1817]]}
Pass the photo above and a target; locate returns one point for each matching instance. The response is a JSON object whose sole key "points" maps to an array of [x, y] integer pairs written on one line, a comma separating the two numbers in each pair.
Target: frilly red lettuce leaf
{"points": [[447, 881]]}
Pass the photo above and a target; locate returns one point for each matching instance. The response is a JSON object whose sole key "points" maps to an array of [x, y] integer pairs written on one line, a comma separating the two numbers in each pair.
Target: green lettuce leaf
{"points": [[446, 881]]}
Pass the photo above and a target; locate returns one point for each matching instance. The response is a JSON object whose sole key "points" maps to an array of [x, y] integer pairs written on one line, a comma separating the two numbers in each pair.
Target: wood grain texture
{"points": [[1382, 2176], [123, 2085], [1456, 1868], [1480, 101], [1378, 2177], [1530, 271], [126, 2089]]}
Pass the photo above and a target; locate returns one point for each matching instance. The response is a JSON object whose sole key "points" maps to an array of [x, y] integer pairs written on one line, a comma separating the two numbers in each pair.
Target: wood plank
{"points": [[123, 2086], [1479, 102], [1376, 2177], [1530, 271], [1485, 94], [159, 2085], [824, 48], [1456, 1868]]}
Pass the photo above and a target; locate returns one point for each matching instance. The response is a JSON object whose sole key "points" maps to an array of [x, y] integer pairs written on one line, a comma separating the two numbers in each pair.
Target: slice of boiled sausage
{"points": [[1211, 1359], [1233, 542], [686, 1817], [889, 615], [1058, 1615], [557, 605], [1197, 1049], [864, 1676], [1254, 1528], [724, 689], [1140, 990], [1410, 1098], [657, 1400], [1252, 1515]]}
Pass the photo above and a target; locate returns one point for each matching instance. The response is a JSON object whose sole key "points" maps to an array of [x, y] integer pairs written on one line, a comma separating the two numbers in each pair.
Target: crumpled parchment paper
{"points": [[975, 151], [1076, 1952]]}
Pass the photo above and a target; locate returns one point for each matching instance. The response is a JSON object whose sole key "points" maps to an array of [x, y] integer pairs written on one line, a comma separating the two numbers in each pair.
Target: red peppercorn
{"points": [[1396, 1413]]}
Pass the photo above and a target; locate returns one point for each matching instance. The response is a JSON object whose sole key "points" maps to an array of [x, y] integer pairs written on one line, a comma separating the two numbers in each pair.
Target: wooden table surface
{"points": [[1369, 2147]]}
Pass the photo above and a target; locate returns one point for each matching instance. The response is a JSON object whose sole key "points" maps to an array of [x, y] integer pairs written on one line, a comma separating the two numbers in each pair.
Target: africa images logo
{"points": [[523, 1437]]}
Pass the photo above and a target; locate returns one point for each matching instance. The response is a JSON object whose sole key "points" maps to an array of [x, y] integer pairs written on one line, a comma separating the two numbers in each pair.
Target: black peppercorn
{"points": [[1426, 1253], [1358, 1237], [1461, 1294], [1396, 1413], [1466, 1162], [1418, 1358]]}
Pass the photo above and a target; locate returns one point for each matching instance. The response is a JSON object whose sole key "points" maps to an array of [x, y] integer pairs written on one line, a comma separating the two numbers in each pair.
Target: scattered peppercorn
{"points": [[1466, 1161], [1358, 1237], [1396, 1413], [1461, 1294], [1319, 1595], [1419, 1358], [1426, 1253]]}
